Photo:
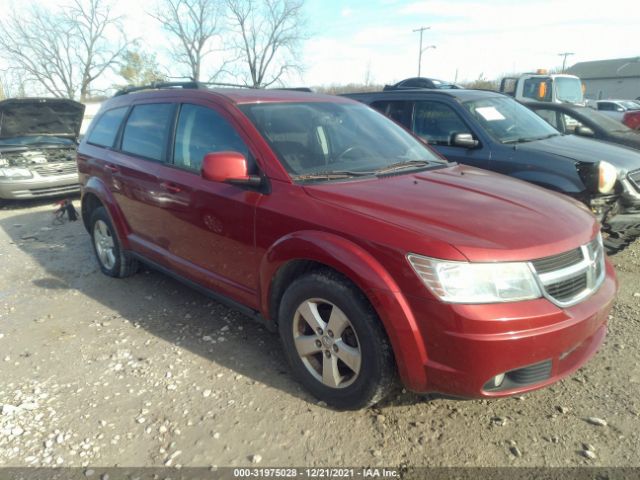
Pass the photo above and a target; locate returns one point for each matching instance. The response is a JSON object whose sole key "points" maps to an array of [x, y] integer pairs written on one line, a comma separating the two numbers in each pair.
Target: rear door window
{"points": [[200, 131], [437, 122], [106, 128], [146, 130], [400, 111]]}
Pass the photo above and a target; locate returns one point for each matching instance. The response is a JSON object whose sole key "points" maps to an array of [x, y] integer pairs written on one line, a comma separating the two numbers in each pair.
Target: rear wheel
{"points": [[112, 259], [334, 342]]}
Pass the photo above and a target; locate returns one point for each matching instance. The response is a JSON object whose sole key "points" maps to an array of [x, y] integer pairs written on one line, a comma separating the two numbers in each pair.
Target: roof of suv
{"points": [[238, 95], [461, 94]]}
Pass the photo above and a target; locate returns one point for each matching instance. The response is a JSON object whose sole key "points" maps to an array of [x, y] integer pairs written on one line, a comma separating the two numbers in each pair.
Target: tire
{"points": [[113, 261], [357, 357]]}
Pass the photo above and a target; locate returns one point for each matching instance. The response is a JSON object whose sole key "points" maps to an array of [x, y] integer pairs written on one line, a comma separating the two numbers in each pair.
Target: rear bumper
{"points": [[535, 343], [39, 187]]}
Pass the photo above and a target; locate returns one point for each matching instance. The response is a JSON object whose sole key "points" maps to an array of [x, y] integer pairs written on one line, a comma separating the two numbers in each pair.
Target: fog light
{"points": [[497, 380]]}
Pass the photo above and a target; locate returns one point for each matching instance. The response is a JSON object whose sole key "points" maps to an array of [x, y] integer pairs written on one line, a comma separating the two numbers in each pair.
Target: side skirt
{"points": [[223, 299]]}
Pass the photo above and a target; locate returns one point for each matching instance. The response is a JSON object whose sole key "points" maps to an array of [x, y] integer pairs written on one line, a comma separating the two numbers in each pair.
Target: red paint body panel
{"points": [[632, 120], [235, 240]]}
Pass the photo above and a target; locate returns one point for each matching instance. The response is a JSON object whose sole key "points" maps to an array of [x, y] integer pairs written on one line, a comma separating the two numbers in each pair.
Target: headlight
{"points": [[462, 282], [607, 176], [13, 173]]}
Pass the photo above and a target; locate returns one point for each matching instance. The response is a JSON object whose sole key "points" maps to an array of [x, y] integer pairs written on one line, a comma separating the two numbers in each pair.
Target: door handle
{"points": [[111, 168], [171, 187]]}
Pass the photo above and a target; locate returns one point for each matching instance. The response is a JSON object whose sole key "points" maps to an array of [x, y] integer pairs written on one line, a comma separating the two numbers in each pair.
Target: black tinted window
{"points": [[145, 133], [106, 128], [609, 107], [437, 122], [400, 111], [200, 131]]}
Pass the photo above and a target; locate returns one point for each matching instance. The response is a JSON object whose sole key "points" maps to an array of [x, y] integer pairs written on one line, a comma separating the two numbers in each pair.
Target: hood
{"points": [[40, 116], [484, 215], [585, 150]]}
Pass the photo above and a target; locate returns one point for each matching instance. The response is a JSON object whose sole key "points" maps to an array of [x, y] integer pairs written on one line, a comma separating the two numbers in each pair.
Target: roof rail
{"points": [[189, 85], [193, 85], [158, 85]]}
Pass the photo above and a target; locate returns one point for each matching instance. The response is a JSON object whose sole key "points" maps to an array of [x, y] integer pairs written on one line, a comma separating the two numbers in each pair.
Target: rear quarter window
{"points": [[146, 130], [106, 127]]}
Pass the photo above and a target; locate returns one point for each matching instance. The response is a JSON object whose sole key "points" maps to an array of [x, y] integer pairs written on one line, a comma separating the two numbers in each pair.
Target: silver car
{"points": [[38, 141], [617, 108]]}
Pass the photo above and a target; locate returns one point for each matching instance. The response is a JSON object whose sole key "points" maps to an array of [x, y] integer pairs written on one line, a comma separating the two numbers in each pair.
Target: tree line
{"points": [[64, 50]]}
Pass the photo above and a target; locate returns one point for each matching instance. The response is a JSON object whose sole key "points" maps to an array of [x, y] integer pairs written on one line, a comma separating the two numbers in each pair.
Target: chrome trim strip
{"points": [[593, 257]]}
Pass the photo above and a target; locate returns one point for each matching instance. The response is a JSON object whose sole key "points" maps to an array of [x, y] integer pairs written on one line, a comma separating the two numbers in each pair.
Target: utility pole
{"points": [[564, 56], [421, 30]]}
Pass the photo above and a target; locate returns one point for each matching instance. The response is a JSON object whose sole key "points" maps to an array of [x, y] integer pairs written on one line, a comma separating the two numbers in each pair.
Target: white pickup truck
{"points": [[543, 87]]}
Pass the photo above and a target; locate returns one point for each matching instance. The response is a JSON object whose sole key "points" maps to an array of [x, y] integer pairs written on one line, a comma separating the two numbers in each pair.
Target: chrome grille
{"points": [[52, 169], [570, 277], [556, 262], [634, 178]]}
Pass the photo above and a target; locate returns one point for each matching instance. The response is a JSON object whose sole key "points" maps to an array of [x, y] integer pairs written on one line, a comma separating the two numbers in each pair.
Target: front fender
{"points": [[367, 274], [97, 188]]}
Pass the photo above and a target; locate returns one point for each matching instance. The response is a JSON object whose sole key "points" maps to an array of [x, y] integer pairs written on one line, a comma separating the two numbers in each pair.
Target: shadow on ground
{"points": [[158, 303]]}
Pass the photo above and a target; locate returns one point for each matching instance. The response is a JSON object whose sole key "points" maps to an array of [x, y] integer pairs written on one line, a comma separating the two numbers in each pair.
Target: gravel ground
{"points": [[146, 372]]}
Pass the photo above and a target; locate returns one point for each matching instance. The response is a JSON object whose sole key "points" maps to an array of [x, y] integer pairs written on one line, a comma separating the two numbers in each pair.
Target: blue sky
{"points": [[471, 37]]}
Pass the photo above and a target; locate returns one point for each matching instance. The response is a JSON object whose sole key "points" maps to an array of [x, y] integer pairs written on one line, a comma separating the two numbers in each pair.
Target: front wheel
{"points": [[334, 342]]}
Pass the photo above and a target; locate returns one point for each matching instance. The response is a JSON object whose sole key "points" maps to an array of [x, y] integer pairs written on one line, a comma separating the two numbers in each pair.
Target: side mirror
{"points": [[228, 167], [584, 131], [465, 140]]}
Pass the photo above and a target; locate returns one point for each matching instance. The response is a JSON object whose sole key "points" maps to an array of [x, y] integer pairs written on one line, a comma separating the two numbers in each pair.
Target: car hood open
{"points": [[485, 216], [40, 116], [585, 150]]}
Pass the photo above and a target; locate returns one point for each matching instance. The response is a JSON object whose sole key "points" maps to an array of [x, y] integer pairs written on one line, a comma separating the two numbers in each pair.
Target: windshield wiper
{"points": [[401, 166], [330, 175], [531, 139]]}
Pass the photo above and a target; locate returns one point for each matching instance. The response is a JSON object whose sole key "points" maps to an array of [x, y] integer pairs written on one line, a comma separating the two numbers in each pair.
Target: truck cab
{"points": [[543, 87]]}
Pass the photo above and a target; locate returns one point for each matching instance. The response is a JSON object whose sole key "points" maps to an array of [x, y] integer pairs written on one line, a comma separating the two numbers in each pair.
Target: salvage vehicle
{"points": [[370, 254], [38, 141], [585, 122], [544, 87], [493, 131]]}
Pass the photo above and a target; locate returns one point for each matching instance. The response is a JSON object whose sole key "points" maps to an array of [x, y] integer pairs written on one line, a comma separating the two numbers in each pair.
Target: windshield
{"points": [[336, 138], [569, 90], [629, 104], [36, 140], [508, 121]]}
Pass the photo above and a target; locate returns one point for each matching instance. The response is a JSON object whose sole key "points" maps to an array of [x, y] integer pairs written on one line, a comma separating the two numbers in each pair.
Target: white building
{"points": [[617, 78]]}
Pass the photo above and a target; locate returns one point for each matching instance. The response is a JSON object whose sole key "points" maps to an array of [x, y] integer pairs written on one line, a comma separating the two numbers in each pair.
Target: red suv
{"points": [[369, 253]]}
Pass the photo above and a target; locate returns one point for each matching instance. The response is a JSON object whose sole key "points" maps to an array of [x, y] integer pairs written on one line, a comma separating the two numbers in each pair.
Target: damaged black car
{"points": [[38, 141]]}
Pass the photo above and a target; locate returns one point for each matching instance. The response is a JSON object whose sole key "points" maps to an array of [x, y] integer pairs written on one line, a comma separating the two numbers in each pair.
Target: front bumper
{"points": [[39, 187], [540, 343]]}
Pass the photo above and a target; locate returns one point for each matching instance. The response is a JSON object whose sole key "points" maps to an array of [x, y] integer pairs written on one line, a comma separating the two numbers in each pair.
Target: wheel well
{"points": [[291, 271], [89, 203]]}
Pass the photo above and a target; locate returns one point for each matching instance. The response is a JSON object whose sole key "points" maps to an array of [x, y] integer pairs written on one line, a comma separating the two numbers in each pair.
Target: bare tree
{"points": [[194, 24], [65, 51], [269, 34]]}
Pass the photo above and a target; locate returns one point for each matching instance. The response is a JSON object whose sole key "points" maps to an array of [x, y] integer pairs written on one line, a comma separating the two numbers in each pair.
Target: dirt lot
{"points": [[144, 371]]}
